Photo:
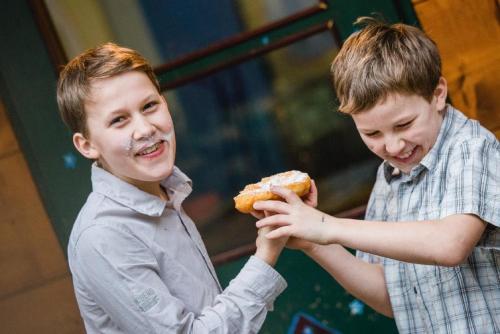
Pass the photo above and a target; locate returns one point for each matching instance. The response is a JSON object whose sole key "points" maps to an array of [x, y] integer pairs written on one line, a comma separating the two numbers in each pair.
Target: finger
{"points": [[271, 206], [257, 214], [268, 213], [264, 230], [312, 197], [279, 233], [274, 220], [287, 194]]}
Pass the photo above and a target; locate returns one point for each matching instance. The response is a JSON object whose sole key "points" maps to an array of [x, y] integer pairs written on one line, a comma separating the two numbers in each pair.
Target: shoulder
{"points": [[102, 223], [466, 132], [473, 149], [468, 140]]}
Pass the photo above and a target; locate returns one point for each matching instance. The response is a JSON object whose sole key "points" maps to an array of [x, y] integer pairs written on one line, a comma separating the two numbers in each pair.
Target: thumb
{"points": [[287, 194]]}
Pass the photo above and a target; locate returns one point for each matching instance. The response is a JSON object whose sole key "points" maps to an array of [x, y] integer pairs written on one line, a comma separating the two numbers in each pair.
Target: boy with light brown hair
{"points": [[138, 262], [429, 247]]}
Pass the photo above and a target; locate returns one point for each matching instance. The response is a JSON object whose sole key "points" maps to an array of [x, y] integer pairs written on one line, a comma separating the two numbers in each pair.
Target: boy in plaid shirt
{"points": [[429, 247]]}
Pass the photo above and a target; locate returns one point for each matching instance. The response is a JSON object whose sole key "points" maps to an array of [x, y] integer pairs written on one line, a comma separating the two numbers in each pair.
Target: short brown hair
{"points": [[381, 59], [76, 78]]}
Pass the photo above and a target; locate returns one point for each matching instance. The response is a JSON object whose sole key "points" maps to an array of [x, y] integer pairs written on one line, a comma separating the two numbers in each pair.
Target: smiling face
{"points": [[403, 128], [131, 132]]}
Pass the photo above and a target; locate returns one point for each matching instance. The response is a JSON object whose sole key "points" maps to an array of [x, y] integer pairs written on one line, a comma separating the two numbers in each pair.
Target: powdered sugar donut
{"points": [[294, 180]]}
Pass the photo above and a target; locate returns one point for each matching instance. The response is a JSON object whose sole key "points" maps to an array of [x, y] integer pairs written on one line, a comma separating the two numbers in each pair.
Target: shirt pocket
{"points": [[444, 280], [398, 282], [442, 292]]}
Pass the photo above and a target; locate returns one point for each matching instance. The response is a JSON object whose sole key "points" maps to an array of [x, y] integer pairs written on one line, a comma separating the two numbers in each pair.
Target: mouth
{"points": [[151, 151], [407, 156]]}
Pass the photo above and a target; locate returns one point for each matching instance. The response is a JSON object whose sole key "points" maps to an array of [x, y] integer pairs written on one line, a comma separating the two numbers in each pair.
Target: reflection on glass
{"points": [[257, 13], [267, 115], [162, 30]]}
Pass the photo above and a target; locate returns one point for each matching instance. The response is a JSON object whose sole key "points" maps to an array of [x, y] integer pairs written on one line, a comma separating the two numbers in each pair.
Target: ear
{"points": [[440, 93], [85, 147]]}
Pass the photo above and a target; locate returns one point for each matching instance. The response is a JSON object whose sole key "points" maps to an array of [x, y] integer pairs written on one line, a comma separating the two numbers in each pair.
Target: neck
{"points": [[154, 189]]}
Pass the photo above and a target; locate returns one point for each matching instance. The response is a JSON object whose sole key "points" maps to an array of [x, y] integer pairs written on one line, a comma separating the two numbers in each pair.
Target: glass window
{"points": [[162, 30], [267, 115], [273, 113]]}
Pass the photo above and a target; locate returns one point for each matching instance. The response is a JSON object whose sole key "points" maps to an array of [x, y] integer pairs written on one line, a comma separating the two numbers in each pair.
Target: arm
{"points": [[446, 241], [363, 280], [123, 281], [268, 250]]}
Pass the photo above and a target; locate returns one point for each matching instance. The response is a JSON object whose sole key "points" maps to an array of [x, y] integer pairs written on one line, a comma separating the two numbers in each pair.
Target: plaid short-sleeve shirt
{"points": [[459, 175]]}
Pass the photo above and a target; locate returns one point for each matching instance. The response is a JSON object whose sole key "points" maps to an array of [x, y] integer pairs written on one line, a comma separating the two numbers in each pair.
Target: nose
{"points": [[143, 128], [394, 144]]}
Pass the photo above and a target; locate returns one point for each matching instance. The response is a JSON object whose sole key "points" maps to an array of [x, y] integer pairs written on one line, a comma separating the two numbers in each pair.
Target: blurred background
{"points": [[247, 82]]}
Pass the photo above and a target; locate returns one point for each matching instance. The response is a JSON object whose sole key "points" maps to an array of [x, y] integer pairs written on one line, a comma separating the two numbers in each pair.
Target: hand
{"points": [[293, 218], [269, 249], [310, 199]]}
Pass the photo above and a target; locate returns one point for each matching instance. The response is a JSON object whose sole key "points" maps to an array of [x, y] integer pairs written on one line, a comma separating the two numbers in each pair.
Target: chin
{"points": [[164, 173]]}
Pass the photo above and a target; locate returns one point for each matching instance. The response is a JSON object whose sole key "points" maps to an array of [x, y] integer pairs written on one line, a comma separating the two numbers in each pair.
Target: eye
{"points": [[117, 120], [372, 134], [404, 125], [150, 106]]}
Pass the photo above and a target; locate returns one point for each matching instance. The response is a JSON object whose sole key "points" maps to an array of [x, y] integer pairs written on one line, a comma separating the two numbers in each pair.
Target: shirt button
{"points": [[415, 289]]}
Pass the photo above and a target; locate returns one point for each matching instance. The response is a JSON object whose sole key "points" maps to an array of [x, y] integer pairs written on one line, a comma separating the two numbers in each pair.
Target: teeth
{"points": [[150, 149], [406, 155]]}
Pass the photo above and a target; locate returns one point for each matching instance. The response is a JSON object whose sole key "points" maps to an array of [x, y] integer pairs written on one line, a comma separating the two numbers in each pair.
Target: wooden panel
{"points": [[29, 250], [36, 295], [8, 143], [468, 36], [47, 309]]}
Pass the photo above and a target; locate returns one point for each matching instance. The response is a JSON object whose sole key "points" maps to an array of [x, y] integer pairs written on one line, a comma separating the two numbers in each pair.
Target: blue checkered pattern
{"points": [[459, 175]]}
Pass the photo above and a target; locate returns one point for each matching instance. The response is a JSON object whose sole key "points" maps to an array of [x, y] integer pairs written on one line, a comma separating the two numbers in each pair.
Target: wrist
{"points": [[310, 249], [266, 256], [332, 232]]}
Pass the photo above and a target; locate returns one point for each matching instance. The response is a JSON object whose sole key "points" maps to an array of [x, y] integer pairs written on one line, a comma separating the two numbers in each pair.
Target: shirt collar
{"points": [[429, 161], [177, 185]]}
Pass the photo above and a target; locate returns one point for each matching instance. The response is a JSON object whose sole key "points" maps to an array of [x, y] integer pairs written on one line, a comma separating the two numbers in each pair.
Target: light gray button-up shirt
{"points": [[139, 266]]}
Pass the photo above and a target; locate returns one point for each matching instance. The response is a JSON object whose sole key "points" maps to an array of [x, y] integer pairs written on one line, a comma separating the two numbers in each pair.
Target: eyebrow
{"points": [[149, 97], [144, 100]]}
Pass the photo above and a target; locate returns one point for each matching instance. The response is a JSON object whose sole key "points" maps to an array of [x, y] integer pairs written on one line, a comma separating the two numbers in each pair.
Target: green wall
{"points": [[27, 87], [313, 291]]}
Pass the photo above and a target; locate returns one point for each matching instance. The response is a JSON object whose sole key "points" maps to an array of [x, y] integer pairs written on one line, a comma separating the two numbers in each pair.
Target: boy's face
{"points": [[131, 132], [403, 128]]}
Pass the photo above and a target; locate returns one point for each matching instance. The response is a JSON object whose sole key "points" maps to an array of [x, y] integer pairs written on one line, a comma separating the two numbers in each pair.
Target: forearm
{"points": [[268, 256], [363, 280], [269, 250], [438, 242]]}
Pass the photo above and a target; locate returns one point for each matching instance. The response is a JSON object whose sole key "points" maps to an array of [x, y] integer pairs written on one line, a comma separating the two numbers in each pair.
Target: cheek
{"points": [[120, 146], [415, 136], [371, 144], [164, 120]]}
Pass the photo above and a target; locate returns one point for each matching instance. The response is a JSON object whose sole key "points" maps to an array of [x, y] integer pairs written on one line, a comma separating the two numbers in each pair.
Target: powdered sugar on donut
{"points": [[281, 179]]}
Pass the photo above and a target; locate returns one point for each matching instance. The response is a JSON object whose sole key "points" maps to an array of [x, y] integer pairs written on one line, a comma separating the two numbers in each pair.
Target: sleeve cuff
{"points": [[262, 279]]}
